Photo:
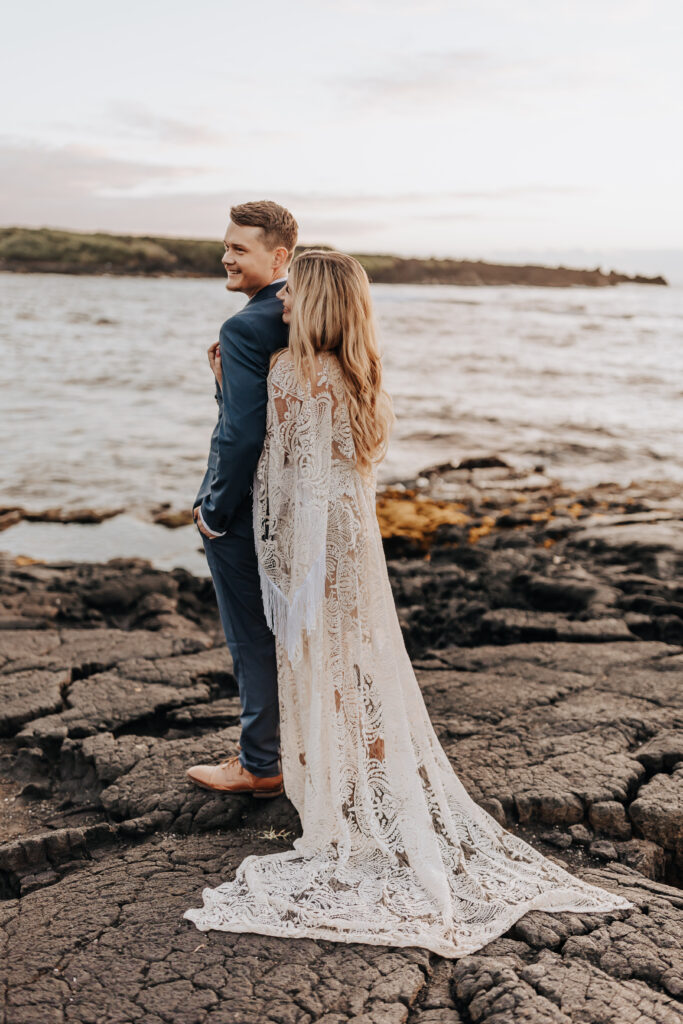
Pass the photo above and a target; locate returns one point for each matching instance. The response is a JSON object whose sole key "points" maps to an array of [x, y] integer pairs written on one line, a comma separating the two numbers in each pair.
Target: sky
{"points": [[424, 128]]}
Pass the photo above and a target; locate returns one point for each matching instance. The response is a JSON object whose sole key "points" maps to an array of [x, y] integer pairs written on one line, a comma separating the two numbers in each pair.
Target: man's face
{"points": [[249, 265]]}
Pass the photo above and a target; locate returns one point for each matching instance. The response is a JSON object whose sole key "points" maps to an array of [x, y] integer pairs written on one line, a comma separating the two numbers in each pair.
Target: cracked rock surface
{"points": [[114, 679]]}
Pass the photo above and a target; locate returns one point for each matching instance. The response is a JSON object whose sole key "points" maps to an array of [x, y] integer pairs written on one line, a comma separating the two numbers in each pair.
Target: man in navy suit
{"points": [[259, 245]]}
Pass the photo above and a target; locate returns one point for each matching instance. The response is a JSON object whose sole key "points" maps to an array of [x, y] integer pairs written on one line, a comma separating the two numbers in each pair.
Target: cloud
{"points": [[523, 192], [387, 199], [439, 77], [135, 121], [85, 188], [34, 169], [461, 79], [402, 8], [67, 186]]}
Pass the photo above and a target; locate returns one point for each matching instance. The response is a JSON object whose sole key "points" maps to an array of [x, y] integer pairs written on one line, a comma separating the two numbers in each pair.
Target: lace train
{"points": [[394, 851]]}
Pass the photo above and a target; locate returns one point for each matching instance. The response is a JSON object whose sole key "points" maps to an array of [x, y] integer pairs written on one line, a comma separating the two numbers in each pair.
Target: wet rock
{"points": [[10, 517], [670, 629], [644, 537], [513, 625], [173, 520], [122, 593], [567, 594], [78, 515], [641, 625]]}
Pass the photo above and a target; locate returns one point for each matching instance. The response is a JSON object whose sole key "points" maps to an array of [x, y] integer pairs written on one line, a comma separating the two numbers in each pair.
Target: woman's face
{"points": [[285, 294]]}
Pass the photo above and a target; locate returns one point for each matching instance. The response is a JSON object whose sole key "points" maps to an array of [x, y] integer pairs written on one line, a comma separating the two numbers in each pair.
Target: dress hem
{"points": [[444, 949]]}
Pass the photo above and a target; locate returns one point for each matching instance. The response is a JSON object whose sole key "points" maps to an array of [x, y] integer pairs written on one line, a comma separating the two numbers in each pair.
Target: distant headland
{"points": [[48, 250]]}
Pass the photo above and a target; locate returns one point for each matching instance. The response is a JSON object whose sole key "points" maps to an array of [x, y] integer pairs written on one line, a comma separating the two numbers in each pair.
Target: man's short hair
{"points": [[277, 224]]}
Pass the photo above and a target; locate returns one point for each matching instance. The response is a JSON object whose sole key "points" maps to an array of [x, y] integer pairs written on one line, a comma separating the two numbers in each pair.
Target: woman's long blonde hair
{"points": [[332, 312]]}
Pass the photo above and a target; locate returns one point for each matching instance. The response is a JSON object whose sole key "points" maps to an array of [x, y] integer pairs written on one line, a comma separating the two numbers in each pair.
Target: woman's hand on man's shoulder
{"points": [[214, 354]]}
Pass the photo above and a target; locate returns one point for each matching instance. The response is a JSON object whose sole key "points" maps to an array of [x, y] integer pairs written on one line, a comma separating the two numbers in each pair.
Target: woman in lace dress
{"points": [[394, 851]]}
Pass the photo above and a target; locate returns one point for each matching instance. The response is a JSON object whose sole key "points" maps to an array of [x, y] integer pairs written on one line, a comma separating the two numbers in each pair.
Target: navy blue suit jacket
{"points": [[247, 341]]}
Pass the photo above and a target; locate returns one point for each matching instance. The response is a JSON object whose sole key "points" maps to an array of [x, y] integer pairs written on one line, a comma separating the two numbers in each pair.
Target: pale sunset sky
{"points": [[424, 128]]}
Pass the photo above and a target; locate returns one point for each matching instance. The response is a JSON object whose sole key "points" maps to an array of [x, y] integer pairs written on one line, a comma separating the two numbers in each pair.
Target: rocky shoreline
{"points": [[546, 629], [50, 251]]}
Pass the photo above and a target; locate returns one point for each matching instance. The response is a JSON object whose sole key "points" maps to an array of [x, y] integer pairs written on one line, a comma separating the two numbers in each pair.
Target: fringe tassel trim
{"points": [[287, 619]]}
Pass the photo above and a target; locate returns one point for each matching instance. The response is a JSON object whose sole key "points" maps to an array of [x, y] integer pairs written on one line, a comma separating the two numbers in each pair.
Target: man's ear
{"points": [[280, 256]]}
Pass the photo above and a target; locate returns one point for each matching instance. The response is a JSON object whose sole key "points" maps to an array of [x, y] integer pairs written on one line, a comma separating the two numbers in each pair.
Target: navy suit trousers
{"points": [[234, 570]]}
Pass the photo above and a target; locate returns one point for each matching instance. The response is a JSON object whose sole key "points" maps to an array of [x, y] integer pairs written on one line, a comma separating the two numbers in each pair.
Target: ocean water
{"points": [[107, 396]]}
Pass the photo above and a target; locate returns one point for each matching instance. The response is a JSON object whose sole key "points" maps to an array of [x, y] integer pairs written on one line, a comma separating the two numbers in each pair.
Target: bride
{"points": [[394, 851]]}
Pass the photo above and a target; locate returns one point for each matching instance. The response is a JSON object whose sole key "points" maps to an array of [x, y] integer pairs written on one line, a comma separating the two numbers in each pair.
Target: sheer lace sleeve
{"points": [[291, 491]]}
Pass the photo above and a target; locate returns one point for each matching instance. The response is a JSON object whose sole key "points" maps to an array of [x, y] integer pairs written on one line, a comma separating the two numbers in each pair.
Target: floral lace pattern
{"points": [[394, 851]]}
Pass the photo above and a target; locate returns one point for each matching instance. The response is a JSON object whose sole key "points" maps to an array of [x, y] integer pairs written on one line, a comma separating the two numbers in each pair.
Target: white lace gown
{"points": [[394, 851]]}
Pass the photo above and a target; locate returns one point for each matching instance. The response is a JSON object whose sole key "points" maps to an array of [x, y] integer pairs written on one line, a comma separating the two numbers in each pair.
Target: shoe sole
{"points": [[259, 794]]}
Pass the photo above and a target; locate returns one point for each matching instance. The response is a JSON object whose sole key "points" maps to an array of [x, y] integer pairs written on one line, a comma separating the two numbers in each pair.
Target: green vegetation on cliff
{"points": [[70, 252], [47, 250]]}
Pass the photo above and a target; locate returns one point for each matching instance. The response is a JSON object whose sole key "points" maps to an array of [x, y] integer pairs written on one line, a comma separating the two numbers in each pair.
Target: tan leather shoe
{"points": [[230, 776]]}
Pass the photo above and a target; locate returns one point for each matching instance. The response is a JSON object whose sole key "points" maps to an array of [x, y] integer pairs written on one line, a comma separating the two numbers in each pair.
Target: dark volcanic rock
{"points": [[544, 638], [544, 568], [87, 651], [124, 593], [666, 749], [511, 625], [110, 941], [658, 811], [26, 695]]}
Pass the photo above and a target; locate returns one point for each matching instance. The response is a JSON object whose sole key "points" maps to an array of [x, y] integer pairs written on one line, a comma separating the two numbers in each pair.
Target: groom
{"points": [[259, 245]]}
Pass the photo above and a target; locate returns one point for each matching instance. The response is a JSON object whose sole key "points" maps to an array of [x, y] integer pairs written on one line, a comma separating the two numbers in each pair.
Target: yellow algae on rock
{"points": [[485, 527], [403, 514]]}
